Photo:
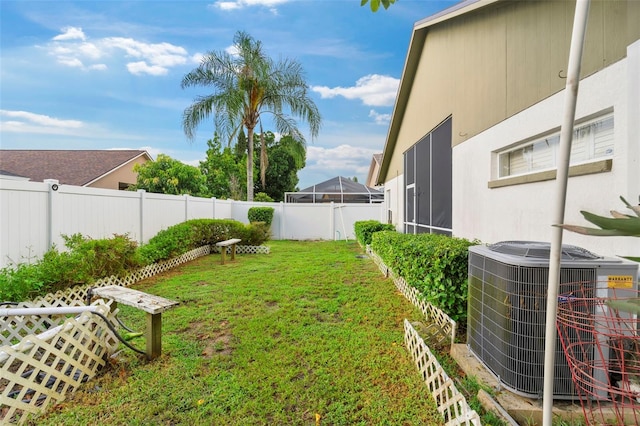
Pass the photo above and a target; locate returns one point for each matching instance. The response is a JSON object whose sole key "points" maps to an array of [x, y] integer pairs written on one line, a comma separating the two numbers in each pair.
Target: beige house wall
{"points": [[123, 174], [487, 65]]}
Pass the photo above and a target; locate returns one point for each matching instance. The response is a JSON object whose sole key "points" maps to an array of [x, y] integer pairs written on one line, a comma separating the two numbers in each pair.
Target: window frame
{"points": [[554, 135]]}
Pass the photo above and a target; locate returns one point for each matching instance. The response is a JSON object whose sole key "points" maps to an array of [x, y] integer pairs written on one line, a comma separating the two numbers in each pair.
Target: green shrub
{"points": [[85, 261], [22, 282], [262, 197], [183, 237], [364, 229], [436, 265], [261, 214], [257, 234]]}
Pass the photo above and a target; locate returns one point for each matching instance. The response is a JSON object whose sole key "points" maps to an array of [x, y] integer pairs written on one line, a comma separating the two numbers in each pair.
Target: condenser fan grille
{"points": [[541, 250]]}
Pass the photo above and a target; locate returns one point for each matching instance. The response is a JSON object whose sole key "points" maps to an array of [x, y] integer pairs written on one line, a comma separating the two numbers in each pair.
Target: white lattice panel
{"points": [[451, 403], [43, 358], [245, 249], [14, 328], [43, 368], [440, 323]]}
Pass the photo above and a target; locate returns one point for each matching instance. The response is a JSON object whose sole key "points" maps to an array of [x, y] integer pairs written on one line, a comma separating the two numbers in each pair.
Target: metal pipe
{"points": [[7, 312], [564, 151]]}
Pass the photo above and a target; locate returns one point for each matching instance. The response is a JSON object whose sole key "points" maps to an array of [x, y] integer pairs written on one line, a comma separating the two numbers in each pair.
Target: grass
{"points": [[310, 334]]}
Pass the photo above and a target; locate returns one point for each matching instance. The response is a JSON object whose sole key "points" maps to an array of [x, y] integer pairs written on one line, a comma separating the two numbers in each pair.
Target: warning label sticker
{"points": [[620, 281]]}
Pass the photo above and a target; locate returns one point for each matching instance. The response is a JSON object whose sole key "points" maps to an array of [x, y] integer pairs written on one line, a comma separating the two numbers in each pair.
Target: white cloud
{"points": [[346, 160], [70, 33], [142, 67], [29, 118], [197, 58], [240, 4], [71, 49], [70, 62], [372, 90], [380, 118]]}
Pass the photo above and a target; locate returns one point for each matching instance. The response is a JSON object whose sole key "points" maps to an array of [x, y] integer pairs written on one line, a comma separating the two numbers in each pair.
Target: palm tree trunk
{"points": [[249, 163], [264, 160]]}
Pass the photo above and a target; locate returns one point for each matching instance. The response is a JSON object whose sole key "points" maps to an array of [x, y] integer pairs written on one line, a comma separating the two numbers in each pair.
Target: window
{"points": [[428, 182], [592, 140]]}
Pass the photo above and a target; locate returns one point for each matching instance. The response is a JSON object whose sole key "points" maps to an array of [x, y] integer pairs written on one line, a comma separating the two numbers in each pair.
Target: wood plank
{"points": [[146, 302], [228, 242]]}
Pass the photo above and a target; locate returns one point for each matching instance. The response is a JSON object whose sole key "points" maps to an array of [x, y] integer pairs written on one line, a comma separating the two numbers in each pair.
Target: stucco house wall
{"points": [[120, 177], [496, 68], [524, 211]]}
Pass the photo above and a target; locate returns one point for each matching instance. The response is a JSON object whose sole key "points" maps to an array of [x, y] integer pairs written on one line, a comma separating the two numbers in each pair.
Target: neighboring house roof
{"points": [[8, 175], [374, 169], [70, 167], [337, 189]]}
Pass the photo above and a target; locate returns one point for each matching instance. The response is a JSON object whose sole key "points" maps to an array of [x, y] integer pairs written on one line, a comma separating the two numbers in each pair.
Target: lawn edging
{"points": [[451, 403]]}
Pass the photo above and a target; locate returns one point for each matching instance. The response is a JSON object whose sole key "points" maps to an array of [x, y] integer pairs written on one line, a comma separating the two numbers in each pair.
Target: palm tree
{"points": [[248, 84]]}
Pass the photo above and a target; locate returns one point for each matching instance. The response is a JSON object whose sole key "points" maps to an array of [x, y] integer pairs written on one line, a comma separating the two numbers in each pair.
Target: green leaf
{"points": [[594, 231], [636, 209], [627, 305], [630, 226]]}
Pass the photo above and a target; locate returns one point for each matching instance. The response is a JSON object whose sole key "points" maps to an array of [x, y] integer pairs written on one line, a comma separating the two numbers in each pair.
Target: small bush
{"points": [[364, 229], [434, 264], [263, 197], [257, 234], [261, 214]]}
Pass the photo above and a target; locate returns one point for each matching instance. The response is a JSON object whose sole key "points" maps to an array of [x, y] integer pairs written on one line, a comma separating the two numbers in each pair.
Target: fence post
{"points": [[142, 193], [186, 207], [53, 187], [213, 206], [282, 221], [332, 222]]}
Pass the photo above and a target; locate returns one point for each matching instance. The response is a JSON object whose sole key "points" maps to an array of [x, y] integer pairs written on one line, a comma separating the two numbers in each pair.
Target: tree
{"points": [[286, 158], [375, 4], [247, 85], [169, 176], [223, 172]]}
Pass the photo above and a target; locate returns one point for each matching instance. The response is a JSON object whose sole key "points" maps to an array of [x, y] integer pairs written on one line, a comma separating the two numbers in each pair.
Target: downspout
{"points": [[566, 134]]}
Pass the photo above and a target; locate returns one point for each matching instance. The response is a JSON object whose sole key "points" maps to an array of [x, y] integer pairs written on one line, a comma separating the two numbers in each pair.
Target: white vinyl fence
{"points": [[35, 215]]}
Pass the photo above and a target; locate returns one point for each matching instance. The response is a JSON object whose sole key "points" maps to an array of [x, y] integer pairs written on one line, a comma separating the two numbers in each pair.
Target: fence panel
{"points": [[161, 211], [307, 222], [222, 209], [345, 215], [33, 216], [104, 213], [199, 208], [23, 221]]}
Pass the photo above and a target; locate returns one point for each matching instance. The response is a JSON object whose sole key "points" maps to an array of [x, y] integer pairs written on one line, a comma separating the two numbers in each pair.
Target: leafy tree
{"points": [[247, 85], [375, 4], [169, 176], [223, 172], [285, 160]]}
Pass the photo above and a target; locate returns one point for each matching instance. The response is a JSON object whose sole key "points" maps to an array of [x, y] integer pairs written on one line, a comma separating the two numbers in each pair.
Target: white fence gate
{"points": [[35, 215]]}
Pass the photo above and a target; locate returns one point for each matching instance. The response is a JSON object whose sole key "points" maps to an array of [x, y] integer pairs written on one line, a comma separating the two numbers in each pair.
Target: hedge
{"points": [[364, 229], [436, 265], [186, 236]]}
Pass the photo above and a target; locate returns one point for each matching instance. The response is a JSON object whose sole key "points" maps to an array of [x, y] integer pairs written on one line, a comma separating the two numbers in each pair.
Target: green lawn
{"points": [[309, 334]]}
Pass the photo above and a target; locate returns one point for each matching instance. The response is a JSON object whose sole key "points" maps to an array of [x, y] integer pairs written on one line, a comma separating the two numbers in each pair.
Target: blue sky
{"points": [[106, 74]]}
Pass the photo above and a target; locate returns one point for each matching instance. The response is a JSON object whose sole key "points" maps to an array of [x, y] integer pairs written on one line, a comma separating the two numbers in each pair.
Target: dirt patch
{"points": [[217, 339]]}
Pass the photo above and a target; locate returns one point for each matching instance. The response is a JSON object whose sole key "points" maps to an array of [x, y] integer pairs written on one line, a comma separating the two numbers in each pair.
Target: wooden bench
{"points": [[154, 306], [223, 248]]}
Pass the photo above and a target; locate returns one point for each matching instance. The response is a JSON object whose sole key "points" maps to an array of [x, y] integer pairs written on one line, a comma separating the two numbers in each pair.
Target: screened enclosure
{"points": [[337, 190]]}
